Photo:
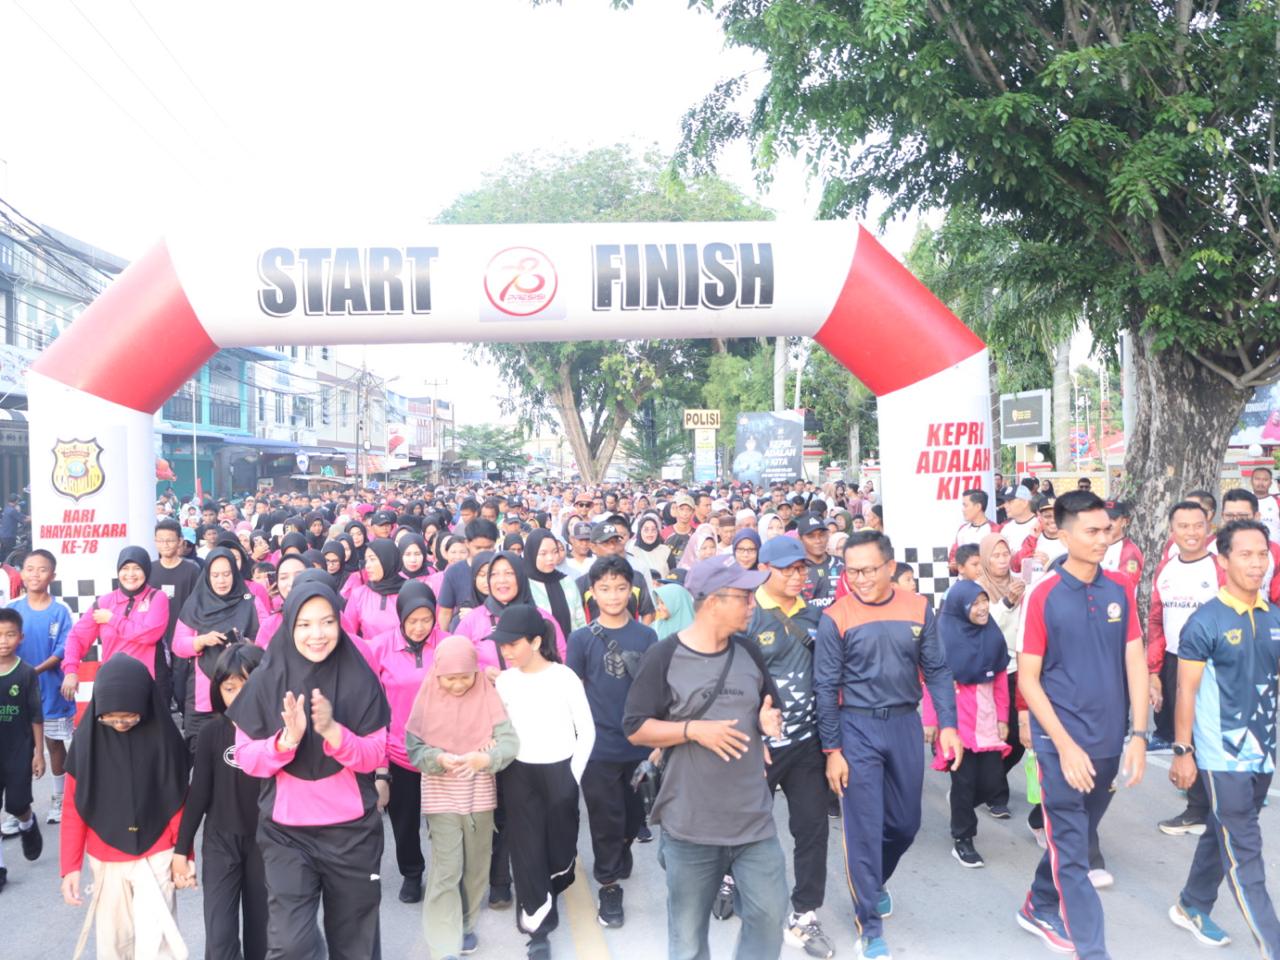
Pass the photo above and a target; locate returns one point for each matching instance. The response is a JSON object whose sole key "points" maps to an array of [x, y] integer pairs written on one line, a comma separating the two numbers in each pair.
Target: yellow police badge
{"points": [[77, 469], [1235, 637]]}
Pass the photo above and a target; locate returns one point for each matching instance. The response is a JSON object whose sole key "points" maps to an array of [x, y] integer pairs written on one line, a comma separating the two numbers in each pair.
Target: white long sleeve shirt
{"points": [[550, 713]]}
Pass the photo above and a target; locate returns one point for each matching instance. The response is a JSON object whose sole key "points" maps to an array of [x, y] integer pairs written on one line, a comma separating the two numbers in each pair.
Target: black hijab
{"points": [[416, 595], [141, 558], [551, 581], [523, 593], [232, 542], [344, 677], [387, 554], [128, 785], [358, 552], [205, 610], [333, 548], [640, 542], [349, 564], [510, 541], [293, 541], [413, 539], [477, 563]]}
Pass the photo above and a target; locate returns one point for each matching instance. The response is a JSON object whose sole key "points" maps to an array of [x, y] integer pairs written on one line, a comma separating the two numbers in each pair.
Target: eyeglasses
{"points": [[746, 548], [864, 573]]}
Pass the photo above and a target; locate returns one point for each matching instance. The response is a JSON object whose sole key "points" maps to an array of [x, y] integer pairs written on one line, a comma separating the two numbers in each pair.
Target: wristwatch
{"points": [[1144, 735], [1183, 750], [384, 777]]}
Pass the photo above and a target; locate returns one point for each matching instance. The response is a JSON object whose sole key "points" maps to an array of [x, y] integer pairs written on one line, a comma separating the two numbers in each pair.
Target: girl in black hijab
{"points": [[508, 584], [546, 582], [293, 542], [513, 543], [334, 557], [312, 723], [371, 607], [220, 610], [360, 544], [126, 779], [413, 557]]}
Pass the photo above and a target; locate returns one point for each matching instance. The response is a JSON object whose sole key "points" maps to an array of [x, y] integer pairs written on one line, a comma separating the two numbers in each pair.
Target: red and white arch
{"points": [[190, 295]]}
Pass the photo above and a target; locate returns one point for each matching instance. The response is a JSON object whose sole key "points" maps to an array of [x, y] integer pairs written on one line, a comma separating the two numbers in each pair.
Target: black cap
{"points": [[580, 531], [1041, 502], [809, 522], [382, 518], [520, 620], [1117, 509], [604, 532]]}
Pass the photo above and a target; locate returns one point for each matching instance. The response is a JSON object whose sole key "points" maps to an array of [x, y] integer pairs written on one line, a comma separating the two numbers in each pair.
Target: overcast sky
{"points": [[122, 114]]}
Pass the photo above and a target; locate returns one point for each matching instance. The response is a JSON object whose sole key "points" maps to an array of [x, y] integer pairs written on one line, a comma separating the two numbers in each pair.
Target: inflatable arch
{"points": [[93, 393]]}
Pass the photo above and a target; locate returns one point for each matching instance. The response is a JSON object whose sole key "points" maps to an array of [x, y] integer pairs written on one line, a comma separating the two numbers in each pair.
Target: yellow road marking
{"points": [[588, 936]]}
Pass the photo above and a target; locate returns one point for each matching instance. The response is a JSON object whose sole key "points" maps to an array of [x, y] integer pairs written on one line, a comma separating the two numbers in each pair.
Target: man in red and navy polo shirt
{"points": [[1081, 665]]}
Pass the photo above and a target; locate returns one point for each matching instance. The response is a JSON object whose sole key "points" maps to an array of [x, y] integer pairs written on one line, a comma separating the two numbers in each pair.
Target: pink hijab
{"points": [[455, 724]]}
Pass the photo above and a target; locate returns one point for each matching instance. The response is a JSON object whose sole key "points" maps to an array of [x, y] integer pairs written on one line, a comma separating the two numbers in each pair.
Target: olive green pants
{"points": [[458, 878]]}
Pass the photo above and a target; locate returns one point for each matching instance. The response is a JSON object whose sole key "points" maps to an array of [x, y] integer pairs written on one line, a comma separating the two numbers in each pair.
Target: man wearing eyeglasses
{"points": [[872, 645], [783, 627], [706, 698]]}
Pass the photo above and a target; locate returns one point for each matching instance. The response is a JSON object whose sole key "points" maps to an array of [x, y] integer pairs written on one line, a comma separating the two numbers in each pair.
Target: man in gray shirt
{"points": [[706, 699]]}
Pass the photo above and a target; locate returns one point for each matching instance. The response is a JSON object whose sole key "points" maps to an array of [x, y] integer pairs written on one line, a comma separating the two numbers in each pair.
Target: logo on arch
{"points": [[521, 281]]}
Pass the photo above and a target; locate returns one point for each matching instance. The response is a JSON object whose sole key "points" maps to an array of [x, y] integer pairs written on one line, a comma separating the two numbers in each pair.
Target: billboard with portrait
{"points": [[770, 447]]}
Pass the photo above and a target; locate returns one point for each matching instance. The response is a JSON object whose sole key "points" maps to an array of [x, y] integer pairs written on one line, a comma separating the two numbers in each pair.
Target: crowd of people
{"points": [[494, 659]]}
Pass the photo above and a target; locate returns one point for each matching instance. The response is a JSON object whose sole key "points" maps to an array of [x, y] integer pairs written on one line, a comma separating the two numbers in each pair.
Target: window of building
{"points": [[262, 406], [293, 352], [279, 408], [307, 353], [324, 353], [344, 408], [302, 413]]}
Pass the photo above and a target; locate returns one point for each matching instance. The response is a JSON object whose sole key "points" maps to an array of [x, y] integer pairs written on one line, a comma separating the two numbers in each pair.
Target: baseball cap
{"points": [[1022, 493], [782, 552], [1041, 502], [520, 620], [580, 531], [604, 532], [809, 522], [684, 500], [717, 573], [382, 517], [719, 505], [1117, 509]]}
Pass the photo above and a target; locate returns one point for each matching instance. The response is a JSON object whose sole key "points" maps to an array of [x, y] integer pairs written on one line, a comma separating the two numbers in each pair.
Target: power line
{"points": [[137, 76], [94, 80]]}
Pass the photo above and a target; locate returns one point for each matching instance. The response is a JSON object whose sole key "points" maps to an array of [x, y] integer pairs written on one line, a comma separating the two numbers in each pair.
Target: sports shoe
{"points": [[967, 854], [610, 913], [803, 930], [1101, 879], [9, 827], [32, 842], [1049, 929], [1038, 832], [1158, 744], [1198, 922], [873, 948], [499, 896], [55, 809], [884, 904], [644, 834], [1182, 825], [470, 944], [411, 890], [998, 811], [722, 906]]}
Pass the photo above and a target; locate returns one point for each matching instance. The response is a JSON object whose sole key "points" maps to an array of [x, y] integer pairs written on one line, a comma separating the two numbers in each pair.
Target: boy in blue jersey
{"points": [[1081, 665], [1225, 733]]}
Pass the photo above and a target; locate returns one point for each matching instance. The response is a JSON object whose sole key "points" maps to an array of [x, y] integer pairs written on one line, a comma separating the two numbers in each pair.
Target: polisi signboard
{"points": [[702, 419]]}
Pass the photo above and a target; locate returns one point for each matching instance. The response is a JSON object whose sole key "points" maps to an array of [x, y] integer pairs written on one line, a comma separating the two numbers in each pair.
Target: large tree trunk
{"points": [[567, 407], [1183, 419], [1062, 406]]}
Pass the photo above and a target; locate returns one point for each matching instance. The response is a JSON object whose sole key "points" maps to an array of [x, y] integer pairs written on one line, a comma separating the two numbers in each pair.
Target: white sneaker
{"points": [[55, 809], [1101, 879], [9, 827]]}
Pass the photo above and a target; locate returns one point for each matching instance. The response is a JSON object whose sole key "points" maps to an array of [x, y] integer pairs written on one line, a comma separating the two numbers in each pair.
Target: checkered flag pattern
{"points": [[79, 595], [933, 577]]}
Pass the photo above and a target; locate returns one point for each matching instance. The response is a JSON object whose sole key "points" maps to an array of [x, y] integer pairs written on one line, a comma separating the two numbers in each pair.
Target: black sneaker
{"points": [[645, 835], [722, 906], [998, 811], [411, 890], [499, 896], [610, 913], [32, 842], [1182, 825], [968, 856]]}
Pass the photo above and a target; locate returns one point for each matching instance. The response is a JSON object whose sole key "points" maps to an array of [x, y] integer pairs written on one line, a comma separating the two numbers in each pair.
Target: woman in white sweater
{"points": [[548, 707]]}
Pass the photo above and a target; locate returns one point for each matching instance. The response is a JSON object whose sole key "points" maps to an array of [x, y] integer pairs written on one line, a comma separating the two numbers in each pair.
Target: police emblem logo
{"points": [[1235, 637], [916, 631], [1113, 612], [1132, 566], [766, 638], [77, 468]]}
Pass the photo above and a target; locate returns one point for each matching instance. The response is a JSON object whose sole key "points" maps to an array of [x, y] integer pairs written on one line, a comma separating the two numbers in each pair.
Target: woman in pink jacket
{"points": [[131, 619], [312, 722], [508, 584], [371, 607]]}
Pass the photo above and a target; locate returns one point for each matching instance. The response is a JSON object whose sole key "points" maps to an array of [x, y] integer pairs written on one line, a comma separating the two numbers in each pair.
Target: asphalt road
{"points": [[942, 911]]}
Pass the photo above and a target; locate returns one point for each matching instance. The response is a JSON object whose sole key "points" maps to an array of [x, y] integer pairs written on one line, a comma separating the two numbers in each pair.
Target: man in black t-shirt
{"points": [[177, 578]]}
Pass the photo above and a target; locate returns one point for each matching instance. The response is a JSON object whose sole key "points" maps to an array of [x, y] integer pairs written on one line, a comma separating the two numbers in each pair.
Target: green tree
{"points": [[1129, 147], [492, 443], [845, 410], [595, 387]]}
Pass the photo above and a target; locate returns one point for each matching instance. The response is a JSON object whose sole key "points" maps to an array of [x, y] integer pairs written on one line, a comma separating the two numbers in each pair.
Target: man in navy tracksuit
{"points": [[1081, 665], [1228, 658], [870, 651]]}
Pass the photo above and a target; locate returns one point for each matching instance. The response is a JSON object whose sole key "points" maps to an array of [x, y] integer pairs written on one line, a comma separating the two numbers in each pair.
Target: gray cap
{"points": [[717, 573], [580, 531]]}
